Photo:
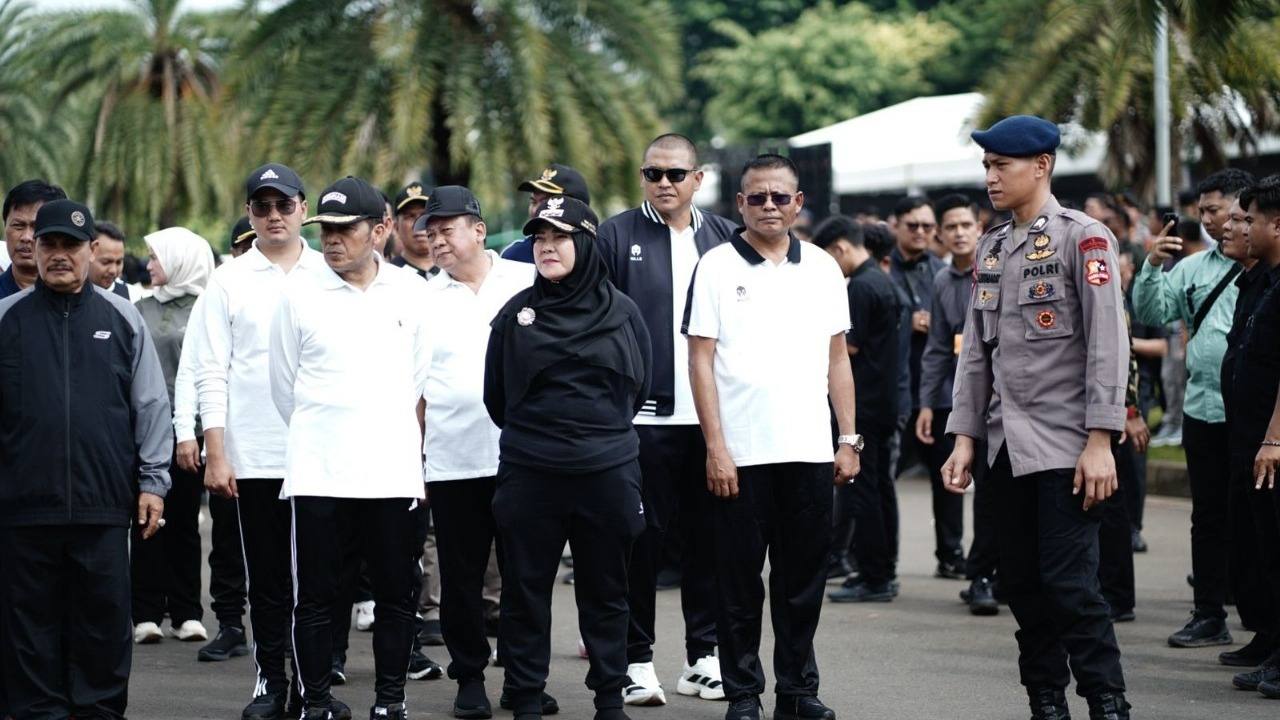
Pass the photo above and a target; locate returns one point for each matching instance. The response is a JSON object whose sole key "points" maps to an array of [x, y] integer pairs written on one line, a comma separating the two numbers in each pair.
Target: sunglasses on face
{"points": [[675, 175], [759, 199], [918, 226], [262, 208]]}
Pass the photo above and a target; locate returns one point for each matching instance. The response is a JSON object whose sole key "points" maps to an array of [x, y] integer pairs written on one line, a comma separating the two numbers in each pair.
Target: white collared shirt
{"points": [[461, 441], [348, 367], [684, 258], [226, 341]]}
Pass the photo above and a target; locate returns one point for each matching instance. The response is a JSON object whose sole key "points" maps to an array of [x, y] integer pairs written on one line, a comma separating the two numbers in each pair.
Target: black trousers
{"points": [[322, 527], [600, 514], [784, 511], [1206, 445], [462, 511], [265, 522], [66, 621], [166, 568], [1252, 530], [1115, 536], [1049, 575], [870, 504], [984, 551], [948, 507], [226, 564], [673, 468]]}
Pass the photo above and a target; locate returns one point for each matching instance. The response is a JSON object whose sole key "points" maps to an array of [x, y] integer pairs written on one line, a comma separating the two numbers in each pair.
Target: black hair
{"points": [[909, 203], [108, 228], [1228, 182], [1188, 229], [878, 239], [1188, 197], [30, 192], [674, 141], [953, 201], [770, 161], [837, 228], [1266, 195]]}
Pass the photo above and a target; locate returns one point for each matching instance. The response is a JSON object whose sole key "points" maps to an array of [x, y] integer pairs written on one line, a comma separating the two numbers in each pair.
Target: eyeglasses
{"points": [[758, 199], [918, 226], [262, 208], [675, 175]]}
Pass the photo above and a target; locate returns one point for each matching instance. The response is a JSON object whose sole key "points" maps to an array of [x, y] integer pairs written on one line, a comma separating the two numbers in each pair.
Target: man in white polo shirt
{"points": [[353, 468], [244, 436], [766, 324]]}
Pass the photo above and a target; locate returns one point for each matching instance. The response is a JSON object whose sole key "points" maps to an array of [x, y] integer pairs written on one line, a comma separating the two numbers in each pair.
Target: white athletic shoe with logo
{"points": [[147, 633], [191, 631], [364, 616], [702, 679], [642, 686]]}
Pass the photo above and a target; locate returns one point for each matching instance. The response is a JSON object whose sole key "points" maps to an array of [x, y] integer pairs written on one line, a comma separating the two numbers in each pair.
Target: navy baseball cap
{"points": [[348, 201], [1020, 136], [413, 192], [65, 217], [559, 180], [274, 176], [567, 214], [242, 231], [452, 201]]}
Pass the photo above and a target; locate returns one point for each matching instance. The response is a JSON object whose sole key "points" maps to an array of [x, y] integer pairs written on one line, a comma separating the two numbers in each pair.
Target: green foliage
{"points": [[29, 137], [832, 63]]}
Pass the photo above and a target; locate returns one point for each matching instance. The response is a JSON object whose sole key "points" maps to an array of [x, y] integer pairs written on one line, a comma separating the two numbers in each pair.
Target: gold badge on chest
{"points": [[1042, 250]]}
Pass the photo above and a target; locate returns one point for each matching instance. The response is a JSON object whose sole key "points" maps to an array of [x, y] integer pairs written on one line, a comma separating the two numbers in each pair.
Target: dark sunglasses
{"points": [[758, 199], [262, 208], [675, 175], [917, 226]]}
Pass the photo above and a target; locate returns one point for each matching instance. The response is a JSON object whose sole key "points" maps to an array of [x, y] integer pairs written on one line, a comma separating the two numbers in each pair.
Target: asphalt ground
{"points": [[920, 657]]}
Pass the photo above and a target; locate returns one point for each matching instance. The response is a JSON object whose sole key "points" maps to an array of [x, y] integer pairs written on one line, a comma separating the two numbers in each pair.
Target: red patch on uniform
{"points": [[1047, 319], [1093, 243], [1096, 272]]}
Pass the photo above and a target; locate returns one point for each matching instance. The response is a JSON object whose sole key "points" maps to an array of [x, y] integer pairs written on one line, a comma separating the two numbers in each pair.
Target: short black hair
{"points": [[909, 203], [1228, 182], [29, 192], [1266, 195], [955, 200], [837, 228], [1188, 197], [108, 228], [770, 161], [674, 141], [878, 239]]}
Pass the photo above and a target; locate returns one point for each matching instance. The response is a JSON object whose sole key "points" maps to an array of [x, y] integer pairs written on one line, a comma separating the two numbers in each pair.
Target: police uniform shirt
{"points": [[772, 324], [1044, 356]]}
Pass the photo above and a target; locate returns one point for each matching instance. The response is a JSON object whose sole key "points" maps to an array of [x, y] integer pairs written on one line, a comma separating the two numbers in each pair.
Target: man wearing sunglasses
{"points": [[245, 436], [651, 252]]}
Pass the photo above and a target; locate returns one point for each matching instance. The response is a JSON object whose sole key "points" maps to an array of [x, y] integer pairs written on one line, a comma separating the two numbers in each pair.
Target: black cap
{"points": [[559, 180], [452, 201], [413, 192], [563, 213], [67, 217], [347, 201], [242, 231], [274, 176]]}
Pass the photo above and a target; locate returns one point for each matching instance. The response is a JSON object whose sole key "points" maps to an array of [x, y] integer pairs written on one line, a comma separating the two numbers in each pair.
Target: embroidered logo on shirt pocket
{"points": [[1039, 301]]}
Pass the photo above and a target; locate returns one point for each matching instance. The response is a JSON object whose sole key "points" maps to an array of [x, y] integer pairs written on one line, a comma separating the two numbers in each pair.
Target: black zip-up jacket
{"points": [[636, 245], [84, 413]]}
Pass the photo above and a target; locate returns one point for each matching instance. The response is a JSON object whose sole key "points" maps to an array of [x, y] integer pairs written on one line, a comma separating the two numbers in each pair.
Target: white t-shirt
{"points": [[684, 258], [773, 326], [461, 441], [348, 367]]}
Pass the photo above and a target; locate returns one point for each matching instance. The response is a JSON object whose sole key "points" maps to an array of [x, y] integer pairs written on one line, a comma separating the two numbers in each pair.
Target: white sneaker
{"points": [[702, 679], [642, 686], [147, 633], [191, 631], [364, 616]]}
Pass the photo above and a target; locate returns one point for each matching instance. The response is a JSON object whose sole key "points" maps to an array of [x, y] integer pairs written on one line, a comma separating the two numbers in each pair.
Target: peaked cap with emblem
{"points": [[65, 217], [559, 180], [242, 231], [411, 193], [563, 213], [348, 201]]}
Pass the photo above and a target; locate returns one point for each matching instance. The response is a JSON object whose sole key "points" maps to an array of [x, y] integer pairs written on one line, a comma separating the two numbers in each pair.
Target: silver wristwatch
{"points": [[854, 441]]}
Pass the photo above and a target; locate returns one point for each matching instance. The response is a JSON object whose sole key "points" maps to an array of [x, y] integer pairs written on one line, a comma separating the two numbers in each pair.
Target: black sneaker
{"points": [[747, 708], [338, 670], [1253, 654], [801, 707], [1108, 706], [268, 706], [862, 592], [950, 569], [228, 643], [1048, 704], [668, 579], [1201, 631], [1270, 689], [422, 667], [1139, 545], [613, 713], [982, 600], [335, 710], [389, 712], [549, 704], [1268, 673], [472, 702], [430, 634]]}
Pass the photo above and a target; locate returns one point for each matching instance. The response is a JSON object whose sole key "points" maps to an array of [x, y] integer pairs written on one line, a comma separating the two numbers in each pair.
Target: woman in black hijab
{"points": [[567, 370]]}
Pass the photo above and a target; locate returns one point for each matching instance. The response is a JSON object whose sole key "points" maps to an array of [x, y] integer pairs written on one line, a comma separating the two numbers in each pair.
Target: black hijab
{"points": [[582, 317]]}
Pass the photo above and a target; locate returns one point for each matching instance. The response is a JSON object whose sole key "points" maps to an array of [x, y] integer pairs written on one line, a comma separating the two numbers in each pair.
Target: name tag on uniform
{"points": [[958, 342]]}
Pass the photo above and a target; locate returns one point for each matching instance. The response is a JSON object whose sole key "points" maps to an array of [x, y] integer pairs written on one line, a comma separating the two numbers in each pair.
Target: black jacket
{"points": [[84, 413], [636, 245]]}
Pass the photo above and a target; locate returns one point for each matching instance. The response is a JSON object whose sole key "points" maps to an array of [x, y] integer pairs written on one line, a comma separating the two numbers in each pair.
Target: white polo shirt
{"points": [[348, 367], [773, 326], [461, 441], [226, 344], [684, 258]]}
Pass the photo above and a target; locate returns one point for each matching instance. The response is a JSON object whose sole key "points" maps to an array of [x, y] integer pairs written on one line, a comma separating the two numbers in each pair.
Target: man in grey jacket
{"points": [[84, 452]]}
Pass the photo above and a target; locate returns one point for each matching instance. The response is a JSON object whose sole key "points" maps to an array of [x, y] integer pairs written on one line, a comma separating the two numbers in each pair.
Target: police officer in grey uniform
{"points": [[1042, 375]]}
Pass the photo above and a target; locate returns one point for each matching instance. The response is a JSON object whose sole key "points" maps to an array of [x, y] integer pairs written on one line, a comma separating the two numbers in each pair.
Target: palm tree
{"points": [[29, 137], [479, 93], [1091, 63]]}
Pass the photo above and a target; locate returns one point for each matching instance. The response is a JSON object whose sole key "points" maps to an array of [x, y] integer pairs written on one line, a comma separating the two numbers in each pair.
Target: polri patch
{"points": [[1047, 320], [1093, 243], [1044, 270], [1096, 272], [1041, 290]]}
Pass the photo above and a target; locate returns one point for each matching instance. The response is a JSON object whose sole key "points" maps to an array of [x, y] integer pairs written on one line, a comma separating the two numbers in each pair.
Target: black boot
{"points": [[1048, 704], [1251, 655], [1108, 706]]}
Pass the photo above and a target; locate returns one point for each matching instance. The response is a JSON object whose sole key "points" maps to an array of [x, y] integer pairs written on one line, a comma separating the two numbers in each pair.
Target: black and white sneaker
{"points": [[338, 671], [389, 712], [642, 686], [422, 667], [702, 679]]}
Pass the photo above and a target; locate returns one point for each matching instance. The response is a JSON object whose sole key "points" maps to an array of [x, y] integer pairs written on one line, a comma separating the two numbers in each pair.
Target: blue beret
{"points": [[1019, 136]]}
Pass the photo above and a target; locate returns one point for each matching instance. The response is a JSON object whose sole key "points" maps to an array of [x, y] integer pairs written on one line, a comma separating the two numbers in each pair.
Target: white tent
{"points": [[923, 143]]}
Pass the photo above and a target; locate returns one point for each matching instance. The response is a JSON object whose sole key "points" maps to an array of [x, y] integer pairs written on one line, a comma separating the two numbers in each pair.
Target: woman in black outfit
{"points": [[567, 370]]}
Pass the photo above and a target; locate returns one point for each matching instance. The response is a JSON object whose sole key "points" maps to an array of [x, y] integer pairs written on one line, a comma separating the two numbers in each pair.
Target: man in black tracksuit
{"points": [[651, 252], [84, 450]]}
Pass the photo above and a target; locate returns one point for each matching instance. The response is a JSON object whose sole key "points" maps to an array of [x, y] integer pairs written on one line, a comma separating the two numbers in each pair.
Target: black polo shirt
{"points": [[1256, 378], [1252, 283], [874, 314]]}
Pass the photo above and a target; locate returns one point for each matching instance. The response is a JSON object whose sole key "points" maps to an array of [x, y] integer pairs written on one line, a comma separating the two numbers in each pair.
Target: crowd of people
{"points": [[408, 428]]}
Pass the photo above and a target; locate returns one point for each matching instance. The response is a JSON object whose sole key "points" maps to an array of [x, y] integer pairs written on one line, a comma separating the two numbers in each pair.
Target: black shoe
{"points": [[422, 667], [472, 701], [293, 707], [747, 708], [389, 712], [862, 592], [1268, 673], [549, 704], [430, 633], [228, 643], [491, 625], [981, 598], [1253, 654], [1201, 631], [1108, 706], [950, 569], [1123, 616], [1139, 545], [269, 706], [616, 713], [801, 707], [1048, 704], [338, 670], [668, 579], [335, 710], [1270, 689]]}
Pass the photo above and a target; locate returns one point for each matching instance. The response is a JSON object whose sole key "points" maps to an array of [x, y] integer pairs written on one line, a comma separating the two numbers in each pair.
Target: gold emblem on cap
{"points": [[414, 190], [548, 173]]}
